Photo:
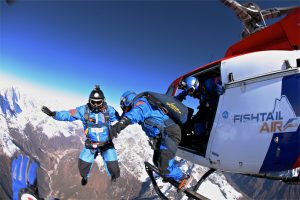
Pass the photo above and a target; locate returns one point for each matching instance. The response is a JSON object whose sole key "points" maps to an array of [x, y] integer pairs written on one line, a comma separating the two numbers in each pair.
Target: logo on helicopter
{"points": [[271, 122], [277, 126], [281, 119]]}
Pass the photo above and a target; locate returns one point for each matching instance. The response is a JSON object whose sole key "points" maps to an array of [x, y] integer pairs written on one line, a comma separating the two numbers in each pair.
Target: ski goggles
{"points": [[124, 107], [122, 104], [97, 102], [190, 90]]}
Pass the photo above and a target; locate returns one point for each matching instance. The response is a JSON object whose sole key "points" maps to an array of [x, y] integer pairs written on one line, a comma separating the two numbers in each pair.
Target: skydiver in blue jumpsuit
{"points": [[207, 91], [24, 178], [96, 117], [164, 133]]}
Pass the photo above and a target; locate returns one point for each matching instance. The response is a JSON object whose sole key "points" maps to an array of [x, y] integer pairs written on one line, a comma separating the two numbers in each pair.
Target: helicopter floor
{"points": [[194, 144]]}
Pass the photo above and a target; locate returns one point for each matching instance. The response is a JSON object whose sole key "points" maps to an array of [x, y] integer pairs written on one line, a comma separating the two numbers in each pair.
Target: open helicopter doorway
{"points": [[202, 110]]}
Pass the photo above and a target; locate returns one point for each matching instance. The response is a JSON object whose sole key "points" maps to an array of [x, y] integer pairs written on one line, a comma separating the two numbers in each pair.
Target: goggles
{"points": [[191, 90], [122, 104], [97, 102]]}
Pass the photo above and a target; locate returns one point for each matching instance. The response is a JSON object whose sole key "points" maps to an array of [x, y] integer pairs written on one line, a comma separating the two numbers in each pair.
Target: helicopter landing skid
{"points": [[293, 180], [191, 193]]}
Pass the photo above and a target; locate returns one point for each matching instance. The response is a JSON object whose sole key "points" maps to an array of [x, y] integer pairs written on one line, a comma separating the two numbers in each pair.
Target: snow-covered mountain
{"points": [[24, 128], [18, 109]]}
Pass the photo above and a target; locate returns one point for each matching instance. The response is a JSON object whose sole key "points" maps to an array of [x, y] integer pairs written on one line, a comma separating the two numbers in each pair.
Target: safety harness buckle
{"points": [[94, 145]]}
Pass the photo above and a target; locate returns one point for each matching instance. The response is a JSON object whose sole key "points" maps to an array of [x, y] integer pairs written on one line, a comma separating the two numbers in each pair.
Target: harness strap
{"points": [[86, 114], [169, 122], [86, 118], [88, 121]]}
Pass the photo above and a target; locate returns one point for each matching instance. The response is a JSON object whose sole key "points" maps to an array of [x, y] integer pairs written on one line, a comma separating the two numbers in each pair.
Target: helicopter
{"points": [[255, 126]]}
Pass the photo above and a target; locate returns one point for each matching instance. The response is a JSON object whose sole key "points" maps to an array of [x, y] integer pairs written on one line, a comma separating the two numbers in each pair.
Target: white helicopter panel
{"points": [[257, 63], [235, 141], [192, 157], [250, 113]]}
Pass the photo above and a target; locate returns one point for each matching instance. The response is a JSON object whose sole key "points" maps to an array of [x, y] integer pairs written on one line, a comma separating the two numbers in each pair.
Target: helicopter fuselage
{"points": [[255, 129]]}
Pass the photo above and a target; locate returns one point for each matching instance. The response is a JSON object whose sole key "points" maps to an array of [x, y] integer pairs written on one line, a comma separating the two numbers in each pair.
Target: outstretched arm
{"points": [[181, 96], [137, 114], [70, 115], [48, 112], [118, 127]]}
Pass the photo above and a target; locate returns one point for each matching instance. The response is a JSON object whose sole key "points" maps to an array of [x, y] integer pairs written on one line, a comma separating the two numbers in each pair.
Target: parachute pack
{"points": [[169, 104]]}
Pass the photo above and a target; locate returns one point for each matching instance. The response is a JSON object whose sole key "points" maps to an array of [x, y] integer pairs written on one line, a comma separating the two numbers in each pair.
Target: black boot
{"points": [[84, 181]]}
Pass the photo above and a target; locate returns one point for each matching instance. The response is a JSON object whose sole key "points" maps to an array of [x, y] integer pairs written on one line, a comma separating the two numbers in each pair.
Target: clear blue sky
{"points": [[139, 45]]}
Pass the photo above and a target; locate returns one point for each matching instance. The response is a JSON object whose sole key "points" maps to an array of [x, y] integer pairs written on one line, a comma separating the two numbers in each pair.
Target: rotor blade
{"points": [[238, 9], [277, 12]]}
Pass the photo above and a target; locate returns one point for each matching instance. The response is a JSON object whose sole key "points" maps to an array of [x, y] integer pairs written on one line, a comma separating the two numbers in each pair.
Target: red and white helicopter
{"points": [[255, 130]]}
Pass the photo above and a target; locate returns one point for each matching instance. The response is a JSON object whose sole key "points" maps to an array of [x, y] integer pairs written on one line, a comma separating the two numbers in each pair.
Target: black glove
{"points": [[118, 127], [47, 111]]}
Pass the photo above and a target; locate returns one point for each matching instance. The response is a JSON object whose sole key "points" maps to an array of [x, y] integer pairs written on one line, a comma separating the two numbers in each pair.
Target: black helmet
{"points": [[96, 99]]}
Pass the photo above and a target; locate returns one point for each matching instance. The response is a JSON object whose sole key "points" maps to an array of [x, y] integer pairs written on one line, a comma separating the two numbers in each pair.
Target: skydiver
{"points": [[96, 117], [24, 178], [164, 134], [207, 91]]}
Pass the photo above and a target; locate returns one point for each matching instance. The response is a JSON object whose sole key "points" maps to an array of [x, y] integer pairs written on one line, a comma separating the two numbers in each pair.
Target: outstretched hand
{"points": [[113, 133], [47, 111], [118, 127]]}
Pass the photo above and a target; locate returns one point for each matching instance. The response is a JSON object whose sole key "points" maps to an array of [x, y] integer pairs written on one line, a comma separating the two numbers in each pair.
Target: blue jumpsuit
{"points": [[159, 127], [96, 127]]}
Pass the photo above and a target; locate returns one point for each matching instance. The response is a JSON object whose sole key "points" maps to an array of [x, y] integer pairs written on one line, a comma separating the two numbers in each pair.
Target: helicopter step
{"points": [[191, 193], [293, 181]]}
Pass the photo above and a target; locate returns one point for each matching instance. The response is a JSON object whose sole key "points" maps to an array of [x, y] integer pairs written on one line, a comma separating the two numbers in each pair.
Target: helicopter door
{"points": [[253, 109], [202, 109]]}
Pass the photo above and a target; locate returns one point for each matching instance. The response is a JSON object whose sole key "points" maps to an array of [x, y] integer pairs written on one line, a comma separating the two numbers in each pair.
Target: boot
{"points": [[184, 182], [84, 181]]}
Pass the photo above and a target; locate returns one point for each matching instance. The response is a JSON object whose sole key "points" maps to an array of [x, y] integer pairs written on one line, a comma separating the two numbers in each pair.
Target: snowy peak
{"points": [[19, 108], [9, 101]]}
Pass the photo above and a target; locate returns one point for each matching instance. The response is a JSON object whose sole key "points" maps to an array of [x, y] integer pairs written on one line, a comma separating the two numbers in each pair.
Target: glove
{"points": [[48, 112], [24, 177], [118, 127]]}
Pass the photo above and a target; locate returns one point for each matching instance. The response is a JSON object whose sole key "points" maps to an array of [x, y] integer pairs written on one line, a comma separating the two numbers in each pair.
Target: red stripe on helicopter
{"points": [[297, 163]]}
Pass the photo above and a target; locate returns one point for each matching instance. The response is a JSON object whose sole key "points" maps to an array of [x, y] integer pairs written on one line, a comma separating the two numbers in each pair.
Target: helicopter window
{"points": [[196, 131]]}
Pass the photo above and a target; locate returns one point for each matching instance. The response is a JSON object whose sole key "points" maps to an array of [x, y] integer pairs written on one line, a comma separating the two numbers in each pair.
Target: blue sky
{"points": [[140, 45]]}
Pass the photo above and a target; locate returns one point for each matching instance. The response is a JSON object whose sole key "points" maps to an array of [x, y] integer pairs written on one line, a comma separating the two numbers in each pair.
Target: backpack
{"points": [[168, 104]]}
